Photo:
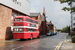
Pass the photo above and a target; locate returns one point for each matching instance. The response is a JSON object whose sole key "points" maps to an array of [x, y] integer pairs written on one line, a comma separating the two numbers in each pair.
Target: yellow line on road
{"points": [[58, 46], [8, 43]]}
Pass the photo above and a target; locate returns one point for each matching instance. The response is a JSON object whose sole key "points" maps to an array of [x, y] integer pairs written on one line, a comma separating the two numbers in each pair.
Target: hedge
{"points": [[72, 34], [73, 39]]}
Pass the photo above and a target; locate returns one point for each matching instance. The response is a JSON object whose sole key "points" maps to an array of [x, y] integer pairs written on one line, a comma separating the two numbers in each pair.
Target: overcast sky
{"points": [[53, 10]]}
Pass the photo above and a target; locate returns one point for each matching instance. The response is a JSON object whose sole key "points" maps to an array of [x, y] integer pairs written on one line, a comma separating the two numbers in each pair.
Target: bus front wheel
{"points": [[31, 37]]}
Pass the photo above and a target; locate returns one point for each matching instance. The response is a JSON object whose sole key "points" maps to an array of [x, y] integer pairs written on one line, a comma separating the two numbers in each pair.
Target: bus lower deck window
{"points": [[16, 29], [20, 29], [26, 29]]}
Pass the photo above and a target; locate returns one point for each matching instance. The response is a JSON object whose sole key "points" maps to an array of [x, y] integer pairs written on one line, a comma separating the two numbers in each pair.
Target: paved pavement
{"points": [[68, 45], [44, 43]]}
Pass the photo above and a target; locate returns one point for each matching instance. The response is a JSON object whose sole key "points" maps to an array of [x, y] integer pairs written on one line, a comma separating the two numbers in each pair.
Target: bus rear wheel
{"points": [[31, 37], [22, 39], [38, 36]]}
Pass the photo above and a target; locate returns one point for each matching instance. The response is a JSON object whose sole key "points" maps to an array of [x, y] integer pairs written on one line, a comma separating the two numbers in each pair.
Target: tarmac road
{"points": [[44, 43]]}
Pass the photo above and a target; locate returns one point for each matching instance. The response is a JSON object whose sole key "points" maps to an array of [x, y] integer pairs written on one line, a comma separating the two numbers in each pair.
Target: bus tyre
{"points": [[21, 39], [31, 37], [38, 36]]}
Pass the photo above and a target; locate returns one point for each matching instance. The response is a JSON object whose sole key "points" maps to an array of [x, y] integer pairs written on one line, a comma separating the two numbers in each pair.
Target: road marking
{"points": [[34, 42], [17, 47], [8, 43], [58, 46], [67, 40]]}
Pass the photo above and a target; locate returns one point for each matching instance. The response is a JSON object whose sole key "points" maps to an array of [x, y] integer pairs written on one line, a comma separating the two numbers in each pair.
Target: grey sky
{"points": [[53, 12]]}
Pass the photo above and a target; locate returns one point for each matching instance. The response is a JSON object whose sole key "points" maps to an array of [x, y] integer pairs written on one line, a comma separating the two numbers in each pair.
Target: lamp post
{"points": [[71, 27], [71, 17]]}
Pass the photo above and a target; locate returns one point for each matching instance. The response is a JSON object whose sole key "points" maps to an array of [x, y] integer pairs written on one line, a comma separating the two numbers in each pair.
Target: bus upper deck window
{"points": [[33, 21], [26, 19], [30, 20], [37, 22], [16, 24], [16, 19], [20, 24], [19, 19]]}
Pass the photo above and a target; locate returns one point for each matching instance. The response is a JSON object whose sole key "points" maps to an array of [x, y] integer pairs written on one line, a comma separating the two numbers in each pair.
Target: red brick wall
{"points": [[51, 28], [44, 23], [34, 17], [5, 22], [39, 19]]}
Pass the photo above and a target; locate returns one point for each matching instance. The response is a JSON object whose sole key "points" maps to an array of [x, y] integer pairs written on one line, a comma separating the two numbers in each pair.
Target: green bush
{"points": [[73, 39], [72, 34]]}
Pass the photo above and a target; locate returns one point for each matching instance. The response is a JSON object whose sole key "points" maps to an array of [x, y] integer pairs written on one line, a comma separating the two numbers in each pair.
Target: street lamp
{"points": [[70, 3]]}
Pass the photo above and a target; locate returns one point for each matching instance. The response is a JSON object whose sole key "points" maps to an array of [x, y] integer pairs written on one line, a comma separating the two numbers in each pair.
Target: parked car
{"points": [[55, 33], [52, 33], [48, 34]]}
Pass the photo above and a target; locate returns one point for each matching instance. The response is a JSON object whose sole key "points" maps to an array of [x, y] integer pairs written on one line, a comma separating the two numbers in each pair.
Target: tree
{"points": [[66, 29], [58, 29], [67, 8]]}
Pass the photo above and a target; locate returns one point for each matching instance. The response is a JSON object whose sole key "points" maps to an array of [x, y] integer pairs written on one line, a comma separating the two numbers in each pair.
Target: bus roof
{"points": [[26, 17]]}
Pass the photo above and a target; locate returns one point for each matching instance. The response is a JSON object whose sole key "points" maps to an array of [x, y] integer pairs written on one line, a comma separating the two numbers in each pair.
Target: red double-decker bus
{"points": [[25, 28]]}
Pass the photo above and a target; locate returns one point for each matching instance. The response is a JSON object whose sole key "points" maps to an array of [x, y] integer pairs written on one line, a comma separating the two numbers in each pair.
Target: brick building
{"points": [[50, 27], [36, 16], [42, 21], [43, 26], [8, 10], [54, 29]]}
